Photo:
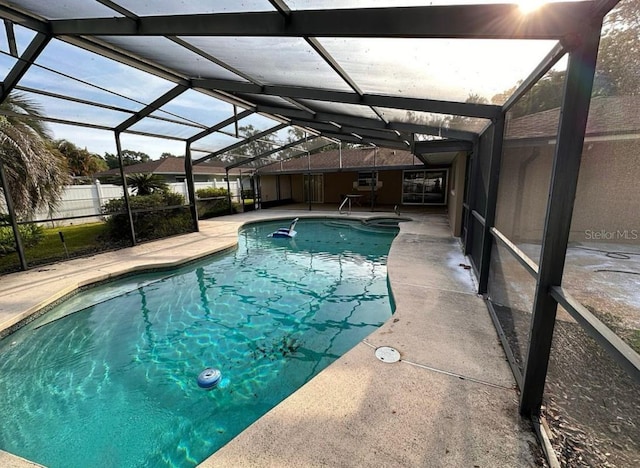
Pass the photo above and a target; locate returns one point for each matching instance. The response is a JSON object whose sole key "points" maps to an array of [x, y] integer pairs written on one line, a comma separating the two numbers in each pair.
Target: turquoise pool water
{"points": [[108, 378]]}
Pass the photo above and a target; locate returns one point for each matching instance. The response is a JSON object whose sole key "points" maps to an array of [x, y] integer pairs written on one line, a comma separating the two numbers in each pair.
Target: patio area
{"points": [[450, 401]]}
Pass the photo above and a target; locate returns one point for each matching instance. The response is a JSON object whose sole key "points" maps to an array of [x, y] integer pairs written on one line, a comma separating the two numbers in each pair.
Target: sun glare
{"points": [[528, 6]]}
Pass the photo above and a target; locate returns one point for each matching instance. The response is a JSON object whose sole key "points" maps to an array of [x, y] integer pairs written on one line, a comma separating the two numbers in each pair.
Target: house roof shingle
{"points": [[607, 115], [171, 165]]}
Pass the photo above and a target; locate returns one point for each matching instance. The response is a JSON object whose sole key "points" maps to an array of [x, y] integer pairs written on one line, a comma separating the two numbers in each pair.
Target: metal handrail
{"points": [[346, 199]]}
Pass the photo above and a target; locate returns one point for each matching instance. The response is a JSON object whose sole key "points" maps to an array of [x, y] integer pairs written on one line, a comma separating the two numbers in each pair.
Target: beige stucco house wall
{"points": [[456, 193], [607, 205]]}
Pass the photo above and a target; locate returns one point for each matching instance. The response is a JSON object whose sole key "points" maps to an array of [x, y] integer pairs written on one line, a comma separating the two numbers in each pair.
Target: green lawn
{"points": [[80, 239]]}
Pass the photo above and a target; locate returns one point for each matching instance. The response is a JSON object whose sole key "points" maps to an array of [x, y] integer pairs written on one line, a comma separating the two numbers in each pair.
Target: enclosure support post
{"points": [[309, 178], [127, 203], [373, 191], [191, 190], [242, 190], [562, 191], [471, 187], [309, 189], [12, 218], [257, 191], [492, 199], [228, 190]]}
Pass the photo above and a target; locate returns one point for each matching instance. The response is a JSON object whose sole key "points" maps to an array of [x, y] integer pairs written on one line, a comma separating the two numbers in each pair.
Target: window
{"points": [[424, 187], [367, 179]]}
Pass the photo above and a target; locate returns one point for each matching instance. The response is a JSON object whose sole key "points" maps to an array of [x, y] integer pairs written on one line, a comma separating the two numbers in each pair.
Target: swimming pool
{"points": [[109, 377]]}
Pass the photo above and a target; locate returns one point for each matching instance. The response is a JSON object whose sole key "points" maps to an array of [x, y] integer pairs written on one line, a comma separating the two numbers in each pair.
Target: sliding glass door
{"points": [[424, 187], [313, 188]]}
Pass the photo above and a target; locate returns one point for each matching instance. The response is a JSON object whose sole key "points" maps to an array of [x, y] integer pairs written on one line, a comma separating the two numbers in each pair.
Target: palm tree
{"points": [[36, 174], [80, 162], [146, 184]]}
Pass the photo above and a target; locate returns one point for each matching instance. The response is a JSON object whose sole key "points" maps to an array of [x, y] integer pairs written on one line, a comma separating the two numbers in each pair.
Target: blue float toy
{"points": [[209, 378], [286, 232]]}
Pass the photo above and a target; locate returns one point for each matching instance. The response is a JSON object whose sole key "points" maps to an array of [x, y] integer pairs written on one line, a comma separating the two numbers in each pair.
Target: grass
{"points": [[634, 340], [630, 335], [79, 239]]}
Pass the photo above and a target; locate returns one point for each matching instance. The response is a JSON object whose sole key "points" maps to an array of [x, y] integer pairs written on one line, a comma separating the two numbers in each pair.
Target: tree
{"points": [[79, 161], [295, 134], [467, 123], [36, 175], [147, 184], [618, 67], [252, 148], [440, 121], [129, 158], [259, 146], [545, 94], [166, 155]]}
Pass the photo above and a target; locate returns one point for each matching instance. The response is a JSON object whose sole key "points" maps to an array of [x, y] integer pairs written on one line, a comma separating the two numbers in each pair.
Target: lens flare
{"points": [[528, 6]]}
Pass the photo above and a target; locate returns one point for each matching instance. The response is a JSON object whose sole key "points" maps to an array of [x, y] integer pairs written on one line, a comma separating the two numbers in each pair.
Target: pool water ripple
{"points": [[109, 378]]}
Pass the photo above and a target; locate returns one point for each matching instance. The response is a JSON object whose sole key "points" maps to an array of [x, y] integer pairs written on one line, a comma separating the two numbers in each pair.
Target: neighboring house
{"points": [[172, 169], [606, 207]]}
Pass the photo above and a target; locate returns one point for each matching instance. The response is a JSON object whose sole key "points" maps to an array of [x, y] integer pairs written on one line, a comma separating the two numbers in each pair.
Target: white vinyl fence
{"points": [[87, 200]]}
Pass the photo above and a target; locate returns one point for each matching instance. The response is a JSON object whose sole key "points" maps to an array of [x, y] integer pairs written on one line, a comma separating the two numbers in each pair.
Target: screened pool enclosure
{"points": [[519, 103]]}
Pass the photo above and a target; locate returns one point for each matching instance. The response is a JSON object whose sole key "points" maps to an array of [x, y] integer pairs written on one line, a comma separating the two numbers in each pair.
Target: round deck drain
{"points": [[387, 354]]}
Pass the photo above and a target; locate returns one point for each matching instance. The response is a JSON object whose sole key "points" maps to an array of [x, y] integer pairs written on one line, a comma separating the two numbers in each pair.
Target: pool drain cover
{"points": [[387, 354]]}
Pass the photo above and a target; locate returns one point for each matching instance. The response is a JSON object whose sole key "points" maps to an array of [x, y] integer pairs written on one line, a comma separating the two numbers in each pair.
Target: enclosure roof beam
{"points": [[349, 131], [326, 56], [281, 6], [373, 133], [154, 106], [365, 140], [257, 136], [308, 119], [64, 97], [36, 46], [468, 109], [219, 126], [318, 126], [11, 38], [402, 145], [602, 7], [484, 21], [543, 67], [441, 146], [342, 138], [272, 151], [296, 155], [118, 8], [54, 120], [77, 123], [104, 49], [17, 17]]}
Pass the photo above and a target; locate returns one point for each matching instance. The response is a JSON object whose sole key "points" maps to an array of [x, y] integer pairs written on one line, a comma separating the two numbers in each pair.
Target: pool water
{"points": [[109, 378]]}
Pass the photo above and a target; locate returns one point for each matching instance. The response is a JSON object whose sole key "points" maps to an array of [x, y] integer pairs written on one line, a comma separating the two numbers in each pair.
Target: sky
{"points": [[434, 69]]}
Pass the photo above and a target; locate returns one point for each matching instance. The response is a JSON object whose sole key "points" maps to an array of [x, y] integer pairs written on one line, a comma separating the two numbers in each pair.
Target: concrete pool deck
{"points": [[449, 401]]}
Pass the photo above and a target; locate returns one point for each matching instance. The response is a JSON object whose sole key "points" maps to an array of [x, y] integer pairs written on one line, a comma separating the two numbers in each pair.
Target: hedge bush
{"points": [[211, 208], [149, 219], [30, 234], [211, 192]]}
